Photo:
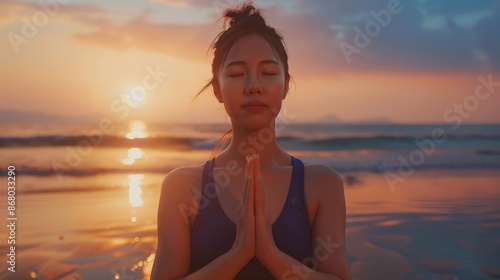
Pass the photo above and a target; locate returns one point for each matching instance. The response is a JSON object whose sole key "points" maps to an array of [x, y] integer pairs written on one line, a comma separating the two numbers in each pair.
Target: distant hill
{"points": [[376, 121], [330, 118], [23, 116], [333, 119]]}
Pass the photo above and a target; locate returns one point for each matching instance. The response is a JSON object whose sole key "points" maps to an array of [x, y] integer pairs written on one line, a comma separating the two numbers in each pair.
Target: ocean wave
{"points": [[380, 142], [379, 165], [95, 140], [82, 172], [488, 152], [390, 142]]}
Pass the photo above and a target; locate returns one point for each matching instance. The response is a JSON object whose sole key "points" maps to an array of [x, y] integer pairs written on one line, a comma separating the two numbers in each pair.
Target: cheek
{"points": [[274, 84], [232, 100], [231, 87], [276, 96], [275, 88]]}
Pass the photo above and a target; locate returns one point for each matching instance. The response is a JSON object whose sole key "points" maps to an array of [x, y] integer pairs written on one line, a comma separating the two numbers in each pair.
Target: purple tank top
{"points": [[213, 233]]}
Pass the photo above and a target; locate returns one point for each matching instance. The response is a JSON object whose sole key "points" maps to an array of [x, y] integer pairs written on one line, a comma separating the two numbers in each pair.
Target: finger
{"points": [[247, 178], [250, 187], [259, 192]]}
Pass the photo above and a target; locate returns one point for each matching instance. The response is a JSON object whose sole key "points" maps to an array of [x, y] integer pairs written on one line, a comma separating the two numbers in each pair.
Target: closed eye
{"points": [[235, 75]]}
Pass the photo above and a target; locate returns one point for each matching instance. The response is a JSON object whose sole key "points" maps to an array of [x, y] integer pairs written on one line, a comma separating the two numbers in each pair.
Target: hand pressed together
{"points": [[254, 235]]}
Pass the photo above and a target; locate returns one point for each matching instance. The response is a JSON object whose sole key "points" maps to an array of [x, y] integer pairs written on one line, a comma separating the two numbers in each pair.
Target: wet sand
{"points": [[431, 226]]}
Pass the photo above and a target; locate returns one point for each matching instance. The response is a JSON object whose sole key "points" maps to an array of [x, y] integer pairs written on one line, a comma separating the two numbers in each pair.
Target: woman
{"points": [[253, 211]]}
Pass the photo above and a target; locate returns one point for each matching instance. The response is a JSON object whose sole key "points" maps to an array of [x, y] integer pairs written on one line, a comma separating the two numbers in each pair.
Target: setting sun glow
{"points": [[132, 155], [137, 129], [135, 190]]}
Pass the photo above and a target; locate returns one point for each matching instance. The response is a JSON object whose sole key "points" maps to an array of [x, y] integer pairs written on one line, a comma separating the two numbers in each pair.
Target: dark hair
{"points": [[240, 22]]}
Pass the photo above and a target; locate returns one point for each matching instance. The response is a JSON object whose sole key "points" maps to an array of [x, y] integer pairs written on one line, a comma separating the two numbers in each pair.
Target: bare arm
{"points": [[172, 259], [330, 259]]}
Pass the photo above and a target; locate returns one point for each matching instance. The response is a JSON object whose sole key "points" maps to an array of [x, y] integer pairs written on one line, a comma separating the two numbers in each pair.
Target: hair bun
{"points": [[247, 15]]}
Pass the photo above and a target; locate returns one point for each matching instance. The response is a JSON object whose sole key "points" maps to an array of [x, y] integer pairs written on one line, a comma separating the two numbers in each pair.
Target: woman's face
{"points": [[251, 72]]}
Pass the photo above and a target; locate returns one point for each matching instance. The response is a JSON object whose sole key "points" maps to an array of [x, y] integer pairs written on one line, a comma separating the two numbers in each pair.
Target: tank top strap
{"points": [[207, 170], [208, 188], [296, 197]]}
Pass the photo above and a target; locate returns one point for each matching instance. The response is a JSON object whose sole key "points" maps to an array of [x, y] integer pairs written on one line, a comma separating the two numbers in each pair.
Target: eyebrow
{"points": [[240, 62]]}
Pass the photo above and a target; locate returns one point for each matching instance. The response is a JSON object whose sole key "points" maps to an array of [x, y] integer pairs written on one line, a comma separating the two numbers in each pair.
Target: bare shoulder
{"points": [[322, 186], [181, 181], [322, 177], [184, 173]]}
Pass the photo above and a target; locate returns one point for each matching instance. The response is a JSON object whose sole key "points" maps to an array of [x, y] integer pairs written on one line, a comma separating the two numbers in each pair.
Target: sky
{"points": [[376, 61]]}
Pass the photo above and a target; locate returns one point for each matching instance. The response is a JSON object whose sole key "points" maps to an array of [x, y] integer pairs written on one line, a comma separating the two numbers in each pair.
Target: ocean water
{"points": [[62, 157], [88, 197]]}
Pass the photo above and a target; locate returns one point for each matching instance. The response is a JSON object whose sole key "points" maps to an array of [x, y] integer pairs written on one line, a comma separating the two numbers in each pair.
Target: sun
{"points": [[137, 129], [135, 97]]}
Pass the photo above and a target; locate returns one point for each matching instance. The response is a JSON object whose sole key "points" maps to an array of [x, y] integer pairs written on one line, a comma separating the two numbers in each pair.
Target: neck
{"points": [[260, 141]]}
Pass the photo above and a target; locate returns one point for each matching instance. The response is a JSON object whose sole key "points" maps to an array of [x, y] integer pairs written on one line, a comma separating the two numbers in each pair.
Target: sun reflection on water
{"points": [[137, 129], [132, 155], [135, 190]]}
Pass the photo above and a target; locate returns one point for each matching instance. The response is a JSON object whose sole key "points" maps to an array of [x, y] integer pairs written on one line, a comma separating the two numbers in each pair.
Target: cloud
{"points": [[9, 9], [15, 11], [29, 116], [217, 4], [189, 42], [453, 8], [315, 32], [486, 32], [176, 3], [404, 44]]}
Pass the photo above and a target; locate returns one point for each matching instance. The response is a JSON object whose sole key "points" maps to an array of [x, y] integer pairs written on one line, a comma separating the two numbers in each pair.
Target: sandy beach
{"points": [[99, 100], [431, 226]]}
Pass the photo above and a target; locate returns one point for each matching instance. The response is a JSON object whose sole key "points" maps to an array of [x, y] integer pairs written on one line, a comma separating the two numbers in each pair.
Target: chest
{"points": [[228, 190]]}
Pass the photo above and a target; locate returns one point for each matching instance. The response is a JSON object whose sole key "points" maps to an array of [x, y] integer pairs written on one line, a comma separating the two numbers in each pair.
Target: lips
{"points": [[255, 104]]}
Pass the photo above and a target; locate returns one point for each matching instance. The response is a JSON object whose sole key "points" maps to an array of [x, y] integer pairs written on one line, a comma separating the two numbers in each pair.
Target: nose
{"points": [[253, 85]]}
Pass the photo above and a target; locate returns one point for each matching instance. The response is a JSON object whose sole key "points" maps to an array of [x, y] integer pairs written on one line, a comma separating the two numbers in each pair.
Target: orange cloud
{"points": [[183, 41]]}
